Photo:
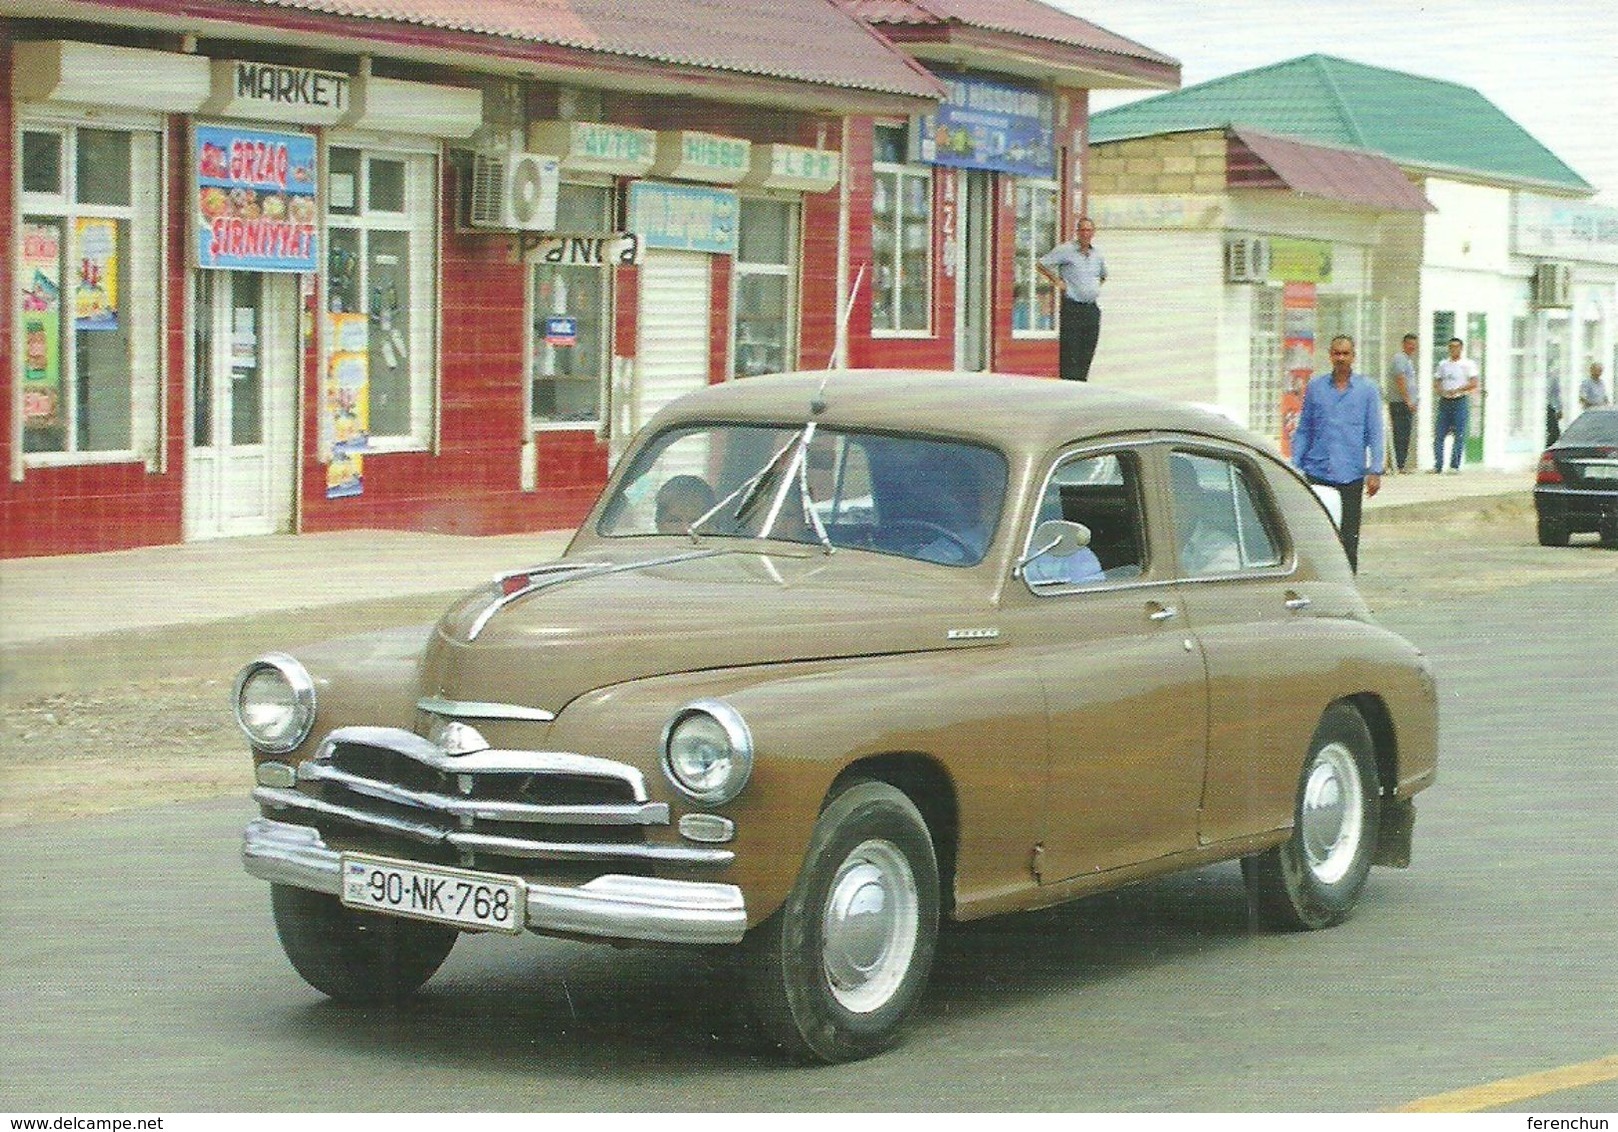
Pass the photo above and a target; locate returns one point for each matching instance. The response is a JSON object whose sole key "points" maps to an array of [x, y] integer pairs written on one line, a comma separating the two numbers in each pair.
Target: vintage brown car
{"points": [[835, 656]]}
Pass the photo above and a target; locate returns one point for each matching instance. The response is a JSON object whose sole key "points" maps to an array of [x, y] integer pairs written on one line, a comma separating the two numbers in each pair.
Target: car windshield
{"points": [[1596, 426], [916, 497]]}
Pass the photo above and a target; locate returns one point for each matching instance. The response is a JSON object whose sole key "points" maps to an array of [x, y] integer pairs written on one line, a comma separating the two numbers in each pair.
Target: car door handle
{"points": [[1155, 611], [1296, 601]]}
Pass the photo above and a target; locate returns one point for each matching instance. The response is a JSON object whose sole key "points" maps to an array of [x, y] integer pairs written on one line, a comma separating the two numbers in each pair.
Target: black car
{"points": [[1577, 486]]}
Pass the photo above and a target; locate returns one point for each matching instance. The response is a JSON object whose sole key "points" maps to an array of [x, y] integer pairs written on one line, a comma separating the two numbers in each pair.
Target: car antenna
{"points": [[818, 404]]}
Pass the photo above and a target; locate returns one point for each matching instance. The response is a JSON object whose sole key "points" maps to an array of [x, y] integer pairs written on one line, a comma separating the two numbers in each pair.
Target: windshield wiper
{"points": [[748, 489]]}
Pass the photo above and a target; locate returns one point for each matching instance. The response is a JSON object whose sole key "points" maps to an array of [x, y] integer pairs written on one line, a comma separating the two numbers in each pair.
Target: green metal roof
{"points": [[1417, 122]]}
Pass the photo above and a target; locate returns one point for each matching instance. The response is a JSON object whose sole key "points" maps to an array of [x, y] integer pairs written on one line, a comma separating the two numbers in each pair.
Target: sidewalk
{"points": [[86, 595]]}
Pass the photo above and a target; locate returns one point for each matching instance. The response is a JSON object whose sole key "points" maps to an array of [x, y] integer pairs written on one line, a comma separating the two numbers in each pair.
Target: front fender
{"points": [[975, 713]]}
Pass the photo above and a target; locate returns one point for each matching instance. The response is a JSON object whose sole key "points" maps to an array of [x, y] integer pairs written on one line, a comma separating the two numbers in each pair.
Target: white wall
{"points": [[1161, 313]]}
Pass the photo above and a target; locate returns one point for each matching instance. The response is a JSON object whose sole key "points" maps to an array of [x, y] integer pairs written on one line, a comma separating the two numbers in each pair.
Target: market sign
{"points": [[989, 125], [595, 147], [271, 92], [255, 200], [797, 167], [686, 218], [692, 155], [587, 249], [1564, 229]]}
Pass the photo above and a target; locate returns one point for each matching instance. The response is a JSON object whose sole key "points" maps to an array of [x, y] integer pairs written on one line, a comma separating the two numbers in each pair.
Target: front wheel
{"points": [[838, 968], [1312, 879], [356, 956]]}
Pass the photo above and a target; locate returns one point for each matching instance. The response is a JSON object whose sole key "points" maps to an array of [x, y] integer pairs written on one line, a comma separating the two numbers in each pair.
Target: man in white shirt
{"points": [[1078, 270], [1454, 382]]}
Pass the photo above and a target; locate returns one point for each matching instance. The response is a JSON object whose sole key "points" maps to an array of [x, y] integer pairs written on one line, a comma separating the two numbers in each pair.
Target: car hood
{"points": [[587, 624]]}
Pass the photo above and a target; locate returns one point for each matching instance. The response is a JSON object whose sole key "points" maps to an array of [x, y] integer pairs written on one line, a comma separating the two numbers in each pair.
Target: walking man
{"points": [[1404, 398], [1454, 382], [1078, 270], [1339, 439]]}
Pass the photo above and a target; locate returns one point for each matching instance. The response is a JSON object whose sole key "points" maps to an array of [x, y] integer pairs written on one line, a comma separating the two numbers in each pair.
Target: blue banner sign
{"points": [[986, 125], [256, 206], [688, 218]]}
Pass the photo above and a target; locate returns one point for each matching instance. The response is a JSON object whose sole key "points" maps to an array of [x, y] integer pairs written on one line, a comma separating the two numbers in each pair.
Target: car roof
{"points": [[1010, 411]]}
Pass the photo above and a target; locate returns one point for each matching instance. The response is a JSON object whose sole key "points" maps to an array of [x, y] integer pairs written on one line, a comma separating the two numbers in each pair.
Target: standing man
{"points": [[1078, 270], [1339, 439], [1592, 394], [1553, 409], [1404, 398], [1454, 382]]}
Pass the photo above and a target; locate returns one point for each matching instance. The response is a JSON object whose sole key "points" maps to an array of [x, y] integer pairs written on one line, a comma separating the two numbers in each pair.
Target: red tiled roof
{"points": [[810, 41], [1347, 175], [1015, 17]]}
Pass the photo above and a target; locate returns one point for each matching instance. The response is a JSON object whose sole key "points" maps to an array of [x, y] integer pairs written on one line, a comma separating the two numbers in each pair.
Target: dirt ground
{"points": [[98, 725]]}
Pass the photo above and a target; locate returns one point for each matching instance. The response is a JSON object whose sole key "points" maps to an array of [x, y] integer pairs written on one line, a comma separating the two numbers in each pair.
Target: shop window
{"points": [[765, 262], [901, 238], [568, 334], [90, 229], [381, 211], [1033, 302]]}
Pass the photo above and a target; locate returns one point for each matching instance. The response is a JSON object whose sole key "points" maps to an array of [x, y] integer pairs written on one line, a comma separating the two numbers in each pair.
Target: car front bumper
{"points": [[611, 907]]}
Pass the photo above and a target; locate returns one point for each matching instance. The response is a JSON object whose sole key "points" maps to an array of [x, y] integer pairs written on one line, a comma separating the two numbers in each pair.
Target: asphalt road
{"points": [[139, 969]]}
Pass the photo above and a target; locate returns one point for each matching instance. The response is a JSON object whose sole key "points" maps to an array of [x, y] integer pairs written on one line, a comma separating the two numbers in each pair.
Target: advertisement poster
{"points": [[985, 125], [41, 311], [348, 410], [95, 297], [1298, 305], [687, 218], [255, 205]]}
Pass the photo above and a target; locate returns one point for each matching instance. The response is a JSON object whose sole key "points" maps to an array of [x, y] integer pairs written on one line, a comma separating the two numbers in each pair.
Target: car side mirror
{"points": [[1055, 536]]}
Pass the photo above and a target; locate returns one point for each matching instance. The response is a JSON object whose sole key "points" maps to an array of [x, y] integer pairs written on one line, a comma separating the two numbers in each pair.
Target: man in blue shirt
{"points": [[1339, 439], [1078, 270]]}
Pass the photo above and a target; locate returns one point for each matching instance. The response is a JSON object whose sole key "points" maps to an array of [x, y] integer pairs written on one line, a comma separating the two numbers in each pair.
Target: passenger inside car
{"points": [[1204, 522], [681, 501]]}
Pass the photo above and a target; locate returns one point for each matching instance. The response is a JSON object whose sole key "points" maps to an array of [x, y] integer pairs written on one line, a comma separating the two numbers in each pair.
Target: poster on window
{"points": [[256, 207], [41, 315], [95, 294], [347, 421], [1299, 304]]}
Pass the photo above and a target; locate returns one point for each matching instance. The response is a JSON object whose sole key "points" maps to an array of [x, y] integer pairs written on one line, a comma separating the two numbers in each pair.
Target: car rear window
{"points": [[1597, 426]]}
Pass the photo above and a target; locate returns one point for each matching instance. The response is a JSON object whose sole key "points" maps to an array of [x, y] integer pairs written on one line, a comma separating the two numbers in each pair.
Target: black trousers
{"points": [[1080, 331], [1353, 497], [1399, 412]]}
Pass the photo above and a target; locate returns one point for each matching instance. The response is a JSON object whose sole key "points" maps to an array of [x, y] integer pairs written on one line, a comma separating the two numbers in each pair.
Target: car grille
{"points": [[509, 809]]}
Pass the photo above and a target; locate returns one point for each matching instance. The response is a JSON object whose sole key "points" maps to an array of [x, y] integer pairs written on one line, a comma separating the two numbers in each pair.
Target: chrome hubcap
{"points": [[1333, 813], [870, 926]]}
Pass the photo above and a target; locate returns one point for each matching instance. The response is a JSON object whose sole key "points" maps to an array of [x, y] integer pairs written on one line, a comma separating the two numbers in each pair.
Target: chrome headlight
{"points": [[275, 703], [708, 752]]}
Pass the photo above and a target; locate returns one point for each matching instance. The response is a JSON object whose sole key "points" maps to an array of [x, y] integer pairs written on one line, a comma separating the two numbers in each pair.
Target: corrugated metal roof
{"points": [[811, 41], [1350, 176], [1417, 122], [1015, 17]]}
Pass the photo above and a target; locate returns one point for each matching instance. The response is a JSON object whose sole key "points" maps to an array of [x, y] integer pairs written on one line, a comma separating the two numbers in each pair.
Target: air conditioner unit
{"points": [[1247, 259], [1553, 285], [513, 191]]}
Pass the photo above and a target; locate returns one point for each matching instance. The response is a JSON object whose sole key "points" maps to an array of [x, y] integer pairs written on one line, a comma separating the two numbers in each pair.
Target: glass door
{"points": [[241, 456]]}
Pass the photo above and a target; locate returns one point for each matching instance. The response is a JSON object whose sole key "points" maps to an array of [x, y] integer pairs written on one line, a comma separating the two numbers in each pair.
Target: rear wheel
{"points": [[839, 967], [1551, 532], [355, 956], [1312, 879]]}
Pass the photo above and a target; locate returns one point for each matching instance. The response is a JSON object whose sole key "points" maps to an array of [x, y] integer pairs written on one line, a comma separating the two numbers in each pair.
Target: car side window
{"points": [[1219, 517], [1101, 491]]}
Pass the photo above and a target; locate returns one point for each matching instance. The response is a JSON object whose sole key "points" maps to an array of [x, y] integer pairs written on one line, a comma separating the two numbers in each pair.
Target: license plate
{"points": [[428, 892], [1601, 471]]}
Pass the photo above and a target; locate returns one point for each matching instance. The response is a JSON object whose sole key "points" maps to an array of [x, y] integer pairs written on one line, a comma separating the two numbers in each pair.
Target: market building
{"points": [[301, 265], [1250, 218]]}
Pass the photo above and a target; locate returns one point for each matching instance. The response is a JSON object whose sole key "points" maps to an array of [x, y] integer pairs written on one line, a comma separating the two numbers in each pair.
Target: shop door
{"points": [[972, 322], [241, 459], [675, 296]]}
